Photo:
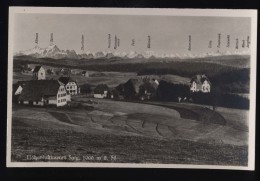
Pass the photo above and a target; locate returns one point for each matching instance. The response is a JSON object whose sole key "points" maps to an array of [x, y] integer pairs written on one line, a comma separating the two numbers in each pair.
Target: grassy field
{"points": [[133, 132], [112, 79], [154, 132]]}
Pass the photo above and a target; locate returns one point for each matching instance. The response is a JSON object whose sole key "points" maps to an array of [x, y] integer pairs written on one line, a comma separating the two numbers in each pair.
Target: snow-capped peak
{"points": [[52, 51]]}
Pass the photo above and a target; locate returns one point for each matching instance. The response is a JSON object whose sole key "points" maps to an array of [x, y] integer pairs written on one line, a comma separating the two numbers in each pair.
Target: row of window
{"points": [[62, 95], [72, 91], [62, 89], [62, 100], [71, 87]]}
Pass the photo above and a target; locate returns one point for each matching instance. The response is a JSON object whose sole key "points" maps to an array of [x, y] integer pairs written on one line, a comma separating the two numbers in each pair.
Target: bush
{"points": [[221, 99], [85, 89]]}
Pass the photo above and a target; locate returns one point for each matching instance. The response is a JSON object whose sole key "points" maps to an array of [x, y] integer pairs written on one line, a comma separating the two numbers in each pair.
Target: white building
{"points": [[200, 83], [39, 73], [70, 85]]}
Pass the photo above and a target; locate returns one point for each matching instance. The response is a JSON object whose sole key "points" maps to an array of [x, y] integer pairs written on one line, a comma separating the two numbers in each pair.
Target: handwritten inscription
{"points": [[237, 43], [133, 42], [228, 41], [243, 44], [115, 45], [248, 42], [210, 44], [109, 40], [148, 41], [189, 47], [219, 40], [118, 42]]}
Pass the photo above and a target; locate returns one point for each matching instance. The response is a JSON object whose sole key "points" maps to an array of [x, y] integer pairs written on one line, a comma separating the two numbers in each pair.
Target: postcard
{"points": [[131, 87]]}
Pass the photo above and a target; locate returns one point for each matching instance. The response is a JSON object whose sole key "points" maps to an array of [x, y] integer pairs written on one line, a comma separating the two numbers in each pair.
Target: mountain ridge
{"points": [[52, 51]]}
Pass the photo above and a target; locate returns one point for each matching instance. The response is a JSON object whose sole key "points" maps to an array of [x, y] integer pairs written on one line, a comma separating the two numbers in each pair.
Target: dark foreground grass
{"points": [[35, 144]]}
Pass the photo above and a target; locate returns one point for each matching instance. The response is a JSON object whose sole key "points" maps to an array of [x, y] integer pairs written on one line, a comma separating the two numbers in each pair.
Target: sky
{"points": [[168, 34]]}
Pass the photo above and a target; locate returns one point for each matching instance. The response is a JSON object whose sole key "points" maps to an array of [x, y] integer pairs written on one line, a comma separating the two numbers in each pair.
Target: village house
{"points": [[70, 85], [26, 68], [200, 83], [101, 91], [85, 73], [43, 92], [38, 73], [142, 88]]}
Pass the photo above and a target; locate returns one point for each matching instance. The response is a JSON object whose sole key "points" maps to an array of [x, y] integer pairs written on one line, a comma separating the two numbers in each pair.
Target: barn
{"points": [[43, 92], [101, 91], [138, 88], [38, 73]]}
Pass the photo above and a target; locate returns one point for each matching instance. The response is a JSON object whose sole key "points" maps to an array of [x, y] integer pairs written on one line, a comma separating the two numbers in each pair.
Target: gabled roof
{"points": [[66, 80], [36, 68], [35, 90], [101, 88], [199, 79], [15, 87]]}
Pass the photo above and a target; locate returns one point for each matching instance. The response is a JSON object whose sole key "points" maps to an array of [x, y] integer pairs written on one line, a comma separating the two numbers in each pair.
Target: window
{"points": [[58, 101]]}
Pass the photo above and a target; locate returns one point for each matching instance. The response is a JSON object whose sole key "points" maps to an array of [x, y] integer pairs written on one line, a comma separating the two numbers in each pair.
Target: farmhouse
{"points": [[70, 85], [101, 91], [200, 83], [138, 88], [85, 73], [43, 92], [38, 73]]}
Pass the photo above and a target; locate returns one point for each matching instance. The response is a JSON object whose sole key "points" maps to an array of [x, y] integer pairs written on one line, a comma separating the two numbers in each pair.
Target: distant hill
{"points": [[236, 61]]}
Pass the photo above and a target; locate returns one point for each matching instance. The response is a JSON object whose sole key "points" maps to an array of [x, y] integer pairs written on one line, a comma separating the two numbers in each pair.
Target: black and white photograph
{"points": [[131, 87]]}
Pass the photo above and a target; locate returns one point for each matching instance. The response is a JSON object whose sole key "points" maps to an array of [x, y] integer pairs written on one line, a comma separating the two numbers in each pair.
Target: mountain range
{"points": [[52, 51]]}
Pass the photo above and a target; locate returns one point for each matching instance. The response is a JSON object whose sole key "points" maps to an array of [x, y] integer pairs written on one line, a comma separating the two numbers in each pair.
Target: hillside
{"points": [[227, 73], [146, 133]]}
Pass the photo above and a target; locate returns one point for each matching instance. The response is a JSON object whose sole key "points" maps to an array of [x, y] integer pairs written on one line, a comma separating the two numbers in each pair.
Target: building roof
{"points": [[66, 80], [199, 79], [36, 68], [101, 88], [15, 87], [35, 90]]}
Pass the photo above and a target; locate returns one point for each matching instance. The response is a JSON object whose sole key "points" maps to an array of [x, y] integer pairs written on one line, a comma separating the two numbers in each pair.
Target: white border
{"points": [[136, 11]]}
